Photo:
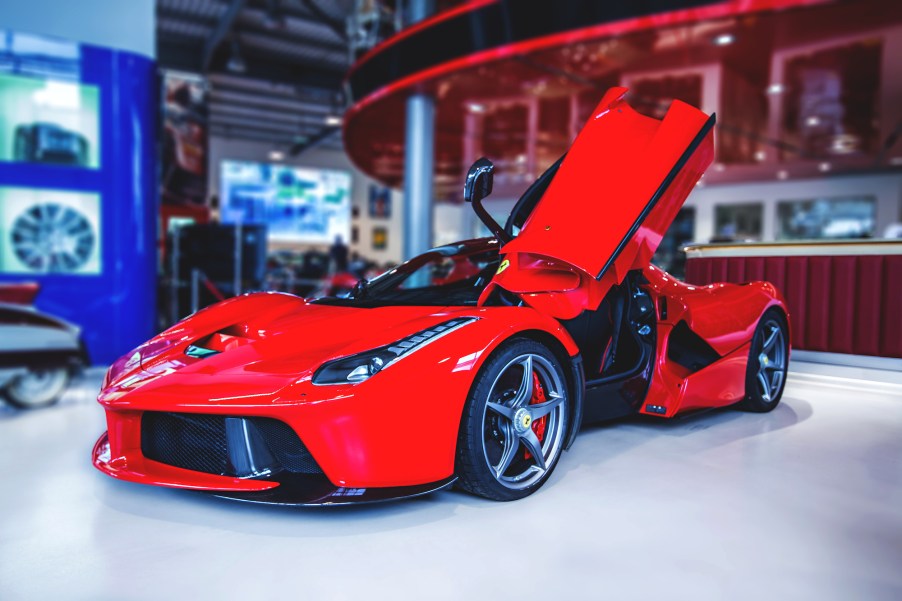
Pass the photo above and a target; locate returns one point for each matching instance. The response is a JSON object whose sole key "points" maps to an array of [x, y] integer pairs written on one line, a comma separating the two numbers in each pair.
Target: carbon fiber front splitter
{"points": [[315, 490]]}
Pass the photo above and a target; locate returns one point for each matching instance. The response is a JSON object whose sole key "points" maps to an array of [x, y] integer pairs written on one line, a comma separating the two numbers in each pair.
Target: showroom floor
{"points": [[801, 503]]}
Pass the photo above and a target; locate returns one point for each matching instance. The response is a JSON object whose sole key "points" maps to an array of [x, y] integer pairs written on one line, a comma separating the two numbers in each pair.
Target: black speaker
{"points": [[211, 248]]}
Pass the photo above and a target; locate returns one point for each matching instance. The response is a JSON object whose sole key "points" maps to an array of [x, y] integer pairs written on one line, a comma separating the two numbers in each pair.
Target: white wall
{"points": [[225, 148], [886, 189], [120, 24]]}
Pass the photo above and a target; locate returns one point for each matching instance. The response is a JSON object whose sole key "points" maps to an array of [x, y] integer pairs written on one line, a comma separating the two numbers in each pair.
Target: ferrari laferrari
{"points": [[473, 364]]}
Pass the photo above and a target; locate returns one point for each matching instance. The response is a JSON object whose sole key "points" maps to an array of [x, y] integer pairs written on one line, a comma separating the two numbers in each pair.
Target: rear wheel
{"points": [[37, 387], [514, 425], [768, 361]]}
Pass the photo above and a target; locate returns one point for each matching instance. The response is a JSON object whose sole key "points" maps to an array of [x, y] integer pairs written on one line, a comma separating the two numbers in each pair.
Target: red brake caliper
{"points": [[538, 396]]}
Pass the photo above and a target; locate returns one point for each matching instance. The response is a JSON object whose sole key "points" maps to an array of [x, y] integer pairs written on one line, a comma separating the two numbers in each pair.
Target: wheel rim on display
{"points": [[771, 361], [52, 238], [523, 423]]}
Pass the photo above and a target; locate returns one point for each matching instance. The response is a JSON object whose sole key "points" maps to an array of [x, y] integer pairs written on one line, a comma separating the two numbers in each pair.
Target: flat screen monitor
{"points": [[297, 204]]}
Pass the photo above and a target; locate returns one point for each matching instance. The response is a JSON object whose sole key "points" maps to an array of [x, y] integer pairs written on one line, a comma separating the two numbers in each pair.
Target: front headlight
{"points": [[362, 366]]}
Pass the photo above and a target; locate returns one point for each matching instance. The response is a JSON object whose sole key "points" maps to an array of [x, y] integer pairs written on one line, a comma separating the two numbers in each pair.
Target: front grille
{"points": [[218, 444], [193, 442]]}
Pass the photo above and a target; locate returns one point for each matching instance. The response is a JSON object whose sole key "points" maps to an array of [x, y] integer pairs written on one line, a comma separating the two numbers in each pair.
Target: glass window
{"points": [[681, 232], [830, 107], [738, 222], [830, 218]]}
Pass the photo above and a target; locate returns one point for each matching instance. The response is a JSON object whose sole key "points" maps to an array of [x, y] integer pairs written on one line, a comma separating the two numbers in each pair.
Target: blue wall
{"points": [[115, 308]]}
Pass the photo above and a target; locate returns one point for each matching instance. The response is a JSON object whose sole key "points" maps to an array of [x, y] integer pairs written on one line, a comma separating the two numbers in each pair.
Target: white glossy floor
{"points": [[802, 503]]}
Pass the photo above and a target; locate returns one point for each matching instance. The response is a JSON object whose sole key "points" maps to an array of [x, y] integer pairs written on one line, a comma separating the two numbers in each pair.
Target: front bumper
{"points": [[290, 489]]}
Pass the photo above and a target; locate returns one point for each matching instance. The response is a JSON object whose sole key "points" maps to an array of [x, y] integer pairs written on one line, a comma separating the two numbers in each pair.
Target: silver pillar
{"points": [[419, 157]]}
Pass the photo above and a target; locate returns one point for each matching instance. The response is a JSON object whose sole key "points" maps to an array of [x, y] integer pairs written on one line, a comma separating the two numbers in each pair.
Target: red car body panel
{"points": [[601, 218], [351, 430]]}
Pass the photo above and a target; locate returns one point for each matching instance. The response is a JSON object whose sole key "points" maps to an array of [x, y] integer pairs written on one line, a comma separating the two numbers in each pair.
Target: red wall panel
{"points": [[838, 304]]}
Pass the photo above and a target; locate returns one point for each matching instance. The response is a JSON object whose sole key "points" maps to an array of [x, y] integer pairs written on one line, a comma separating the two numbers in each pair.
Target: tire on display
{"points": [[514, 424], [765, 376], [37, 388]]}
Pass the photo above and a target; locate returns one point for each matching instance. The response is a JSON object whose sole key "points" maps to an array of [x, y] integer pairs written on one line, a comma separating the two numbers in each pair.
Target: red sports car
{"points": [[475, 363]]}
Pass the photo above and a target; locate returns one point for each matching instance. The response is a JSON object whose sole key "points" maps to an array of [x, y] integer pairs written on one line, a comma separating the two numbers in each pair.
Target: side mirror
{"points": [[477, 187], [479, 180]]}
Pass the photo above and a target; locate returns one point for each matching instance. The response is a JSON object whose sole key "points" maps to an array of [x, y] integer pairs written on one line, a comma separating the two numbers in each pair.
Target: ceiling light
{"points": [[775, 88], [824, 167], [475, 107], [333, 120], [813, 121], [782, 174], [276, 155], [724, 39], [760, 155]]}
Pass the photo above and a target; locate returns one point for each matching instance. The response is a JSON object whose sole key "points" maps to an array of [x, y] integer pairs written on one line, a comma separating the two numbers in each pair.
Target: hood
{"points": [[259, 343], [618, 188]]}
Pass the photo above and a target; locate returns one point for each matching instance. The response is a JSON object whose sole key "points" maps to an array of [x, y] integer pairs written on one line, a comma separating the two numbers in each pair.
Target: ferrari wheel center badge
{"points": [[522, 420]]}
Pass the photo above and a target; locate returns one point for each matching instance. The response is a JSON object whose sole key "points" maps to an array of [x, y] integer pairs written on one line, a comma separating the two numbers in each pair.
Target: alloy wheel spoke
{"points": [[524, 392], [542, 409], [769, 343], [511, 444], [765, 386], [534, 446], [502, 410]]}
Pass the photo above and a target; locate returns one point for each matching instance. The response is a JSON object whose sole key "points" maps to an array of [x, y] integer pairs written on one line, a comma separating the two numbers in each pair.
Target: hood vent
{"points": [[219, 342]]}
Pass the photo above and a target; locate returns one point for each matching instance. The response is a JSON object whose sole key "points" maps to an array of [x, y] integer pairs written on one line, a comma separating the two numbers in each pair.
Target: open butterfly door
{"points": [[612, 199]]}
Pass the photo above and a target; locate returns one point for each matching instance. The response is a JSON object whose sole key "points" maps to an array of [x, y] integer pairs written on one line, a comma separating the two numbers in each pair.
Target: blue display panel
{"points": [[78, 205]]}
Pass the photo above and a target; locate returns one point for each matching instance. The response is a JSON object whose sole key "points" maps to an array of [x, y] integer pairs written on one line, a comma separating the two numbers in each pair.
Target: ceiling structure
{"points": [[274, 67]]}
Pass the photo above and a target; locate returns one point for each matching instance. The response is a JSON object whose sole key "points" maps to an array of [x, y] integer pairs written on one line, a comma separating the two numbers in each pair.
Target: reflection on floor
{"points": [[801, 503]]}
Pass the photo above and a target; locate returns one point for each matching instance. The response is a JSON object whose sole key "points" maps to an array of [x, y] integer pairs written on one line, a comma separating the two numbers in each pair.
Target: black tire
{"points": [[38, 388], [505, 417], [765, 376]]}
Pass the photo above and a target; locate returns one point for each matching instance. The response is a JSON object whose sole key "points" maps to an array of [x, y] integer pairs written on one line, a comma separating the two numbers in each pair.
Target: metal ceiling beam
{"points": [[244, 133], [238, 111], [304, 129], [324, 135], [286, 91], [221, 31], [338, 27], [267, 103]]}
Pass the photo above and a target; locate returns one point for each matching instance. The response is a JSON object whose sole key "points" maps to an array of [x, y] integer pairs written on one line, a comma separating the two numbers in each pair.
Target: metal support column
{"points": [[419, 157]]}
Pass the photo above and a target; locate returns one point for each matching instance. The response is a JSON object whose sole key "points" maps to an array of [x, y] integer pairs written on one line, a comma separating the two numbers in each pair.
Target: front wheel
{"points": [[514, 425], [37, 387], [768, 361]]}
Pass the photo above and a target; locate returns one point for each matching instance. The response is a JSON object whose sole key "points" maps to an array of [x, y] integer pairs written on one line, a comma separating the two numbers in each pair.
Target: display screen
{"points": [[297, 204], [46, 115], [48, 231]]}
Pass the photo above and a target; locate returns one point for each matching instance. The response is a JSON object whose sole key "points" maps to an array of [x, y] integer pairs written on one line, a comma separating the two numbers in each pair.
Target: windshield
{"points": [[455, 274], [449, 275]]}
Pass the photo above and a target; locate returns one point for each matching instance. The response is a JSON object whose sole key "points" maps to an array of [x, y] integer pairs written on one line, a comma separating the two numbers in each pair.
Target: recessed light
{"points": [[760, 155], [782, 174], [475, 107], [333, 120], [813, 121], [776, 88], [276, 155], [724, 39], [824, 167]]}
